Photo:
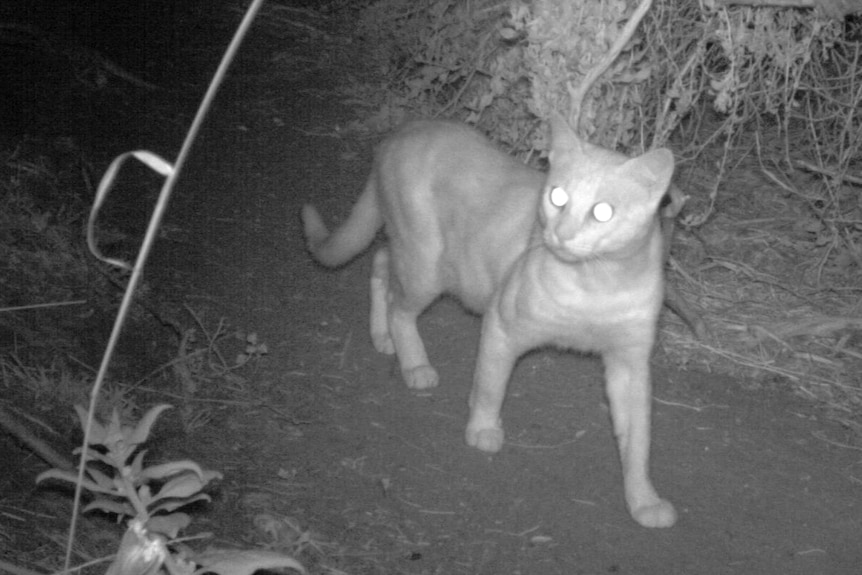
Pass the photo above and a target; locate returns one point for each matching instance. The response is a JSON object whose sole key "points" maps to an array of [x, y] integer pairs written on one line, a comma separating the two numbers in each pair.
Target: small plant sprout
{"points": [[115, 474], [254, 349]]}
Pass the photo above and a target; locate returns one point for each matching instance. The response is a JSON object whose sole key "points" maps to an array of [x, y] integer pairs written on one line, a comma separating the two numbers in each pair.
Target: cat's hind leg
{"points": [[380, 335], [630, 397], [415, 367], [405, 294]]}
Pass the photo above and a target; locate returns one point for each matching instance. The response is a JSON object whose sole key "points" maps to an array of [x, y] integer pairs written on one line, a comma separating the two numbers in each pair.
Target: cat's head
{"points": [[596, 203]]}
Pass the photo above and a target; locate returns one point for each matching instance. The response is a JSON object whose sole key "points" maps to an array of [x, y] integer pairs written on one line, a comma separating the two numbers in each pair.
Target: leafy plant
{"points": [[115, 474], [254, 349]]}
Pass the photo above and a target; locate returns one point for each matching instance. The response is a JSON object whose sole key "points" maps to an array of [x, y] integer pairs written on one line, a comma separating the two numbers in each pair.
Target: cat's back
{"points": [[434, 134], [452, 156], [453, 201], [451, 170]]}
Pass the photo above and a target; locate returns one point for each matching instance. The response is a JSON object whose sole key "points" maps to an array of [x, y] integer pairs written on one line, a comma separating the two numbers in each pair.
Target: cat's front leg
{"points": [[630, 396], [493, 368]]}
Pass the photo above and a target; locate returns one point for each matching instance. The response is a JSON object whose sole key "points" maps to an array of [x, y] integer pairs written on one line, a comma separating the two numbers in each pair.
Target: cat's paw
{"points": [[661, 514], [383, 342], [422, 377], [489, 440]]}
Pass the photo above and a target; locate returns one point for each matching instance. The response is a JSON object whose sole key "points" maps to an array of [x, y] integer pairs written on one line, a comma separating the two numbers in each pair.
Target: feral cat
{"points": [[572, 258]]}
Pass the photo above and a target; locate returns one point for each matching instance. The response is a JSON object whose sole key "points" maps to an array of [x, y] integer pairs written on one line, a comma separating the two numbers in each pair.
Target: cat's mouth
{"points": [[567, 251]]}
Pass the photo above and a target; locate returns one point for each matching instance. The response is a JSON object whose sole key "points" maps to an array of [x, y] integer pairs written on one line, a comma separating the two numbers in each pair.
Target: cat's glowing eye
{"points": [[559, 197], [603, 212]]}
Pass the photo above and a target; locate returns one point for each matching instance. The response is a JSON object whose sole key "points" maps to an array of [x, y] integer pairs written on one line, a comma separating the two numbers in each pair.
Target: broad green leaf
{"points": [[138, 464], [142, 431], [123, 508], [172, 468], [93, 455], [243, 562], [211, 475], [103, 480], [168, 525], [72, 477], [97, 431], [183, 486], [172, 504]]}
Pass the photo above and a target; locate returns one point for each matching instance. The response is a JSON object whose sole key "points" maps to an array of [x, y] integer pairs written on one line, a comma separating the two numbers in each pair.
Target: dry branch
{"points": [[39, 447], [815, 326], [577, 94], [832, 8], [833, 174]]}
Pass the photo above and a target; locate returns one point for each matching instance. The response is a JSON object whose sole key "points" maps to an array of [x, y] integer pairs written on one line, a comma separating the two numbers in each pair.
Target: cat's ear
{"points": [[655, 169], [563, 137]]}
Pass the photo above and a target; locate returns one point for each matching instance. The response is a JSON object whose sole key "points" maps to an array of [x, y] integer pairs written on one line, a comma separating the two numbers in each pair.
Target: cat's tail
{"points": [[348, 240]]}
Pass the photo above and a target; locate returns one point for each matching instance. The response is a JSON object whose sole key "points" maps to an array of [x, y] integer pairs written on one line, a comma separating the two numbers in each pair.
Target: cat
{"points": [[571, 258]]}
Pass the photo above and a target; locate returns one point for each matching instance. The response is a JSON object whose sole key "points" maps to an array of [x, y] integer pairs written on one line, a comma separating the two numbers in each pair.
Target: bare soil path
{"points": [[383, 472]]}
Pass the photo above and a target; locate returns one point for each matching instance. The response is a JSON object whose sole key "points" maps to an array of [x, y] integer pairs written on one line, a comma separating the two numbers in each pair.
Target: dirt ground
{"points": [[325, 435]]}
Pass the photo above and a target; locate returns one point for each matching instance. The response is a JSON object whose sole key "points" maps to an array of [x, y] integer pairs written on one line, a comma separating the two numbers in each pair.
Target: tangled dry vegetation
{"points": [[58, 303], [52, 290], [762, 106]]}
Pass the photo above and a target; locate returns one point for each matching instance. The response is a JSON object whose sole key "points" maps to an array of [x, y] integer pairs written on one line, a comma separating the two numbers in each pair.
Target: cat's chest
{"points": [[569, 306]]}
